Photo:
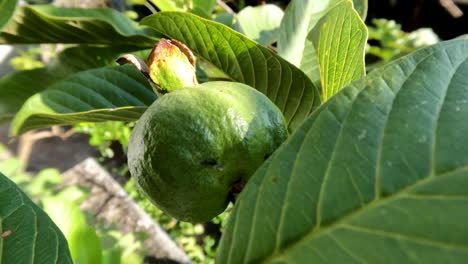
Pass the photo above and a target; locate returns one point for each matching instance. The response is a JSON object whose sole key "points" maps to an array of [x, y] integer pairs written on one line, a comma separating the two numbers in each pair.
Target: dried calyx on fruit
{"points": [[170, 66], [196, 146]]}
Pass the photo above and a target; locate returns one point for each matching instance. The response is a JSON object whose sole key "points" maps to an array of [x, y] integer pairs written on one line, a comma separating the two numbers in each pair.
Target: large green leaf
{"points": [[243, 61], [110, 93], [300, 17], [260, 23], [15, 88], [97, 26], [7, 8], [340, 39], [27, 235], [378, 174], [83, 57]]}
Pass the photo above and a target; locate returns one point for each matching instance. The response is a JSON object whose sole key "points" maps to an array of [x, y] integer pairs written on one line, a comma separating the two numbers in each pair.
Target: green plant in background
{"points": [[192, 238], [27, 59], [121, 248], [88, 242], [393, 42], [103, 134], [260, 23], [203, 8], [373, 170]]}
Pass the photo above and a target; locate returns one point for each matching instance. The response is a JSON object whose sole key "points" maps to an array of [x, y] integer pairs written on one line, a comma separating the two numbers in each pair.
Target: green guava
{"points": [[195, 147]]}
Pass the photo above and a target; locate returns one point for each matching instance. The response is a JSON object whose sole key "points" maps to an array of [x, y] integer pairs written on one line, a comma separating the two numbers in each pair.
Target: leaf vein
{"points": [[406, 237]]}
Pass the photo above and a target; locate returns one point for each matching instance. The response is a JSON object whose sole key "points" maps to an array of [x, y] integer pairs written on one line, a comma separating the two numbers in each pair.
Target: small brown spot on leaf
{"points": [[6, 233]]}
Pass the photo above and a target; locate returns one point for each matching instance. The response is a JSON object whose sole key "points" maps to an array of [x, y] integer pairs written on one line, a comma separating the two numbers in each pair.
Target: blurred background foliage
{"points": [[89, 241]]}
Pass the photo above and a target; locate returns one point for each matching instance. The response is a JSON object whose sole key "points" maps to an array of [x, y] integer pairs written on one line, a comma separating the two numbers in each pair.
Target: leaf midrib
{"points": [[420, 240], [316, 232]]}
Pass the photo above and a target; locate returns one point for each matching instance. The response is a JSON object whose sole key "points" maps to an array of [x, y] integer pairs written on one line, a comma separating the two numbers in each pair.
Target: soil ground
{"points": [[52, 152]]}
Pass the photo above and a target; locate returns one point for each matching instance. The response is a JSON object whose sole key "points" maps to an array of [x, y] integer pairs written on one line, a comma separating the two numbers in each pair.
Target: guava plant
{"points": [[373, 170]]}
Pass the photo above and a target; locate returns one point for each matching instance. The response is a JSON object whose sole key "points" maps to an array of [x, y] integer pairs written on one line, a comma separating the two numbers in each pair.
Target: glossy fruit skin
{"points": [[192, 145]]}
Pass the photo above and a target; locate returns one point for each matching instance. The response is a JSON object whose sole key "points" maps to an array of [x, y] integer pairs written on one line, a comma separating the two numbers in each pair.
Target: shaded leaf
{"points": [[102, 94], [300, 17], [206, 5], [243, 61], [49, 24], [226, 19], [7, 8], [340, 39], [260, 23], [85, 57], [27, 235], [16, 87], [378, 174]]}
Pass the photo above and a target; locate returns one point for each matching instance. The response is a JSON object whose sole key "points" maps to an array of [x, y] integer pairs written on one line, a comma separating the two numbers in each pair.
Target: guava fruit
{"points": [[194, 147]]}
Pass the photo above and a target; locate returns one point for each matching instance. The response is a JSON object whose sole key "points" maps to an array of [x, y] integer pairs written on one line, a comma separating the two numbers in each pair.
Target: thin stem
{"points": [[225, 7], [150, 7], [452, 8]]}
